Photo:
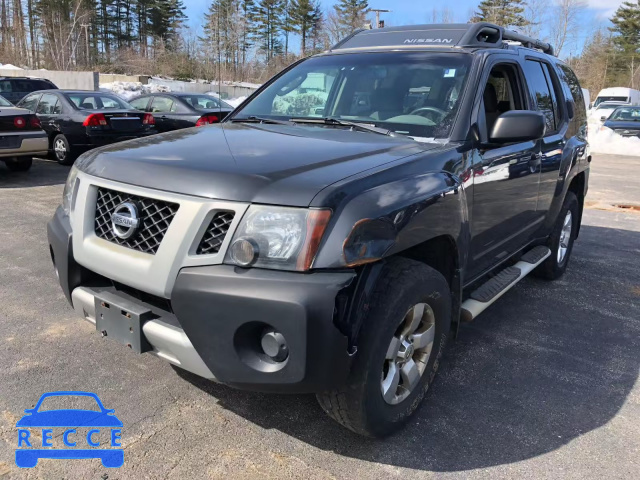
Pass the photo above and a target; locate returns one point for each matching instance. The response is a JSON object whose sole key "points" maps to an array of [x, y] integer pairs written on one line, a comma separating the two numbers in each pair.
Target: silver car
{"points": [[21, 137]]}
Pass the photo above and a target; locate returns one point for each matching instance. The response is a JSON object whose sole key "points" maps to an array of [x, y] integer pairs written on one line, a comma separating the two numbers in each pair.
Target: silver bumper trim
{"points": [[169, 342]]}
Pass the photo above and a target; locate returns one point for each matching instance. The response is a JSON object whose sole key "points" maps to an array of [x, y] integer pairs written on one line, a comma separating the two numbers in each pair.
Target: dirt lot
{"points": [[543, 385]]}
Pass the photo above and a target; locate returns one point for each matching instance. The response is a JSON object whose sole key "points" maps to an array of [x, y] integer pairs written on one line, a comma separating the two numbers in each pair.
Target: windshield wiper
{"points": [[254, 119], [346, 123]]}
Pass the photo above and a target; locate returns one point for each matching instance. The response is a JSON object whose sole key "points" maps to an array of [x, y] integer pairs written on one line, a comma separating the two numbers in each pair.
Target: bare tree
{"points": [[442, 15], [537, 12], [565, 22]]}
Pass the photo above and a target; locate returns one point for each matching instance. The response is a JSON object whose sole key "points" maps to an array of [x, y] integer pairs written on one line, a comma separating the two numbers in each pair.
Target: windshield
{"points": [[92, 101], [626, 115], [600, 100], [4, 102], [204, 102], [412, 93]]}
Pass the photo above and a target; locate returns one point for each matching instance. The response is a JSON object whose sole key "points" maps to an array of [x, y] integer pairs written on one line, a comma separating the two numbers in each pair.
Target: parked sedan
{"points": [[625, 121], [78, 120], [21, 137], [173, 111]]}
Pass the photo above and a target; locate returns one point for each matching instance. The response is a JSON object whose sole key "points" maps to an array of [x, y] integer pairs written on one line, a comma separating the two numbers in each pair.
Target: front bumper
{"points": [[218, 313], [31, 143]]}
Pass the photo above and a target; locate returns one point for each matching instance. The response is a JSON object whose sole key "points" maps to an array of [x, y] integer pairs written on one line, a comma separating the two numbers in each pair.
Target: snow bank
{"points": [[128, 90], [8, 66], [607, 141], [234, 102]]}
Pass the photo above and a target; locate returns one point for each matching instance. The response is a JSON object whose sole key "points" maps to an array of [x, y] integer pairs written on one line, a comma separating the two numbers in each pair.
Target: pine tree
{"points": [[268, 27], [351, 14], [506, 13], [302, 19], [626, 39]]}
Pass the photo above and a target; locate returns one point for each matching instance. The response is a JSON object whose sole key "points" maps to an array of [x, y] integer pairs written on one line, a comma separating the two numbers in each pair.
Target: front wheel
{"points": [[401, 342], [561, 240], [19, 164]]}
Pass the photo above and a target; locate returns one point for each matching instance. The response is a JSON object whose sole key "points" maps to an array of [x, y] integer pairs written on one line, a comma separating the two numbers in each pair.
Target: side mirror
{"points": [[518, 126], [603, 118], [570, 110]]}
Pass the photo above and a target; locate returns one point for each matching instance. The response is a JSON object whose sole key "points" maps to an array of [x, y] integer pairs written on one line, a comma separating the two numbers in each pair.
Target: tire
{"points": [[361, 405], [555, 266], [19, 164], [62, 150]]}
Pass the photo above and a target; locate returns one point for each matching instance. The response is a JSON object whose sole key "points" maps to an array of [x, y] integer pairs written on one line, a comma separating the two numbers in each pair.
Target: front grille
{"points": [[215, 233], [628, 132], [155, 217]]}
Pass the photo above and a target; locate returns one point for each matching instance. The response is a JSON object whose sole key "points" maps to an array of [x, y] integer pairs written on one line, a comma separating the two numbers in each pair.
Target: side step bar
{"points": [[497, 286]]}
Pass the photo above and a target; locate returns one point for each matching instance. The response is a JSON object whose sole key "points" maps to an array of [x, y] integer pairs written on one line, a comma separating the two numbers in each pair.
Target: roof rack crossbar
{"points": [[471, 35]]}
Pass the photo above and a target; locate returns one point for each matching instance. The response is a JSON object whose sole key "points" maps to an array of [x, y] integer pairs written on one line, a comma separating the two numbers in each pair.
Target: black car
{"points": [[15, 88], [332, 234], [625, 121], [78, 120], [173, 111]]}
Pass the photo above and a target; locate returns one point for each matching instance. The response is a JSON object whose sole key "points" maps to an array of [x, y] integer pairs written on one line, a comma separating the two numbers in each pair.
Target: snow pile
{"points": [[608, 141], [8, 66], [129, 90], [234, 102]]}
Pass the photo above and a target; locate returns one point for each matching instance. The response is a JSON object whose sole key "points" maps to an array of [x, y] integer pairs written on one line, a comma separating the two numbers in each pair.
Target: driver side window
{"points": [[502, 93]]}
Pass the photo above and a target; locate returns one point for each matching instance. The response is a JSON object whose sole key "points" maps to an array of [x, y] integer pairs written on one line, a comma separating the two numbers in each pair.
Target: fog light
{"points": [[274, 345], [244, 252]]}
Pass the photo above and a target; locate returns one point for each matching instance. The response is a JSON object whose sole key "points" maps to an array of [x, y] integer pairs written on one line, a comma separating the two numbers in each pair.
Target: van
{"points": [[619, 95]]}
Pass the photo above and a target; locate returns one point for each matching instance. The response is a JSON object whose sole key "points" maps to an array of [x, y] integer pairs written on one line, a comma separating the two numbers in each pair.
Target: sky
{"points": [[406, 12]]}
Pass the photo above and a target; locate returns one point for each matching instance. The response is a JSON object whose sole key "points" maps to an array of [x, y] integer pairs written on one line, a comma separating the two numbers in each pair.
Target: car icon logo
{"points": [[101, 425], [125, 220]]}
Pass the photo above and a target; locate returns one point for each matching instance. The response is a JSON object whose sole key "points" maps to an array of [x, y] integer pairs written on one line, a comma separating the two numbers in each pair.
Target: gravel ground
{"points": [[543, 385]]}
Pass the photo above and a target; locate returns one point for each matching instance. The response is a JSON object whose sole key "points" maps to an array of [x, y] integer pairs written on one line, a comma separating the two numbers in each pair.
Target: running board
{"points": [[498, 285]]}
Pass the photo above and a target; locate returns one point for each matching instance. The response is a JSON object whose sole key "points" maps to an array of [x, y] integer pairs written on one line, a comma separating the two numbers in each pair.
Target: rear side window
{"points": [[42, 85], [576, 92], [544, 100], [140, 103], [30, 102], [162, 104], [49, 105]]}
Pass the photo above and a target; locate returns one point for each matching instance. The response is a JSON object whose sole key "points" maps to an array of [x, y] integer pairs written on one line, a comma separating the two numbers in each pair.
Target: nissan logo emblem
{"points": [[124, 220]]}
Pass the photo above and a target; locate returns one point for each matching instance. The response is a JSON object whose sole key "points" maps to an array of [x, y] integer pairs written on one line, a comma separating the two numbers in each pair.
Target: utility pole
{"points": [[86, 41], [378, 12]]}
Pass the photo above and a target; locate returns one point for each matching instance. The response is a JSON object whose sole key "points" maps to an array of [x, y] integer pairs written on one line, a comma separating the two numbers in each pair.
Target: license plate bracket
{"points": [[121, 320]]}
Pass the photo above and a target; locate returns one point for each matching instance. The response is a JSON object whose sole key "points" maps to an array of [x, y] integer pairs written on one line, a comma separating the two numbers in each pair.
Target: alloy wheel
{"points": [[565, 237], [60, 149], [408, 354]]}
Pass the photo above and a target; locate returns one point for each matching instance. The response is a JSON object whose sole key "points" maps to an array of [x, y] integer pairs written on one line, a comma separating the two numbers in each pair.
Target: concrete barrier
{"points": [[112, 77], [68, 80]]}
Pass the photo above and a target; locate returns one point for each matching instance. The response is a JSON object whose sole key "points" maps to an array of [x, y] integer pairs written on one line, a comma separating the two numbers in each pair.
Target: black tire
{"points": [[66, 156], [19, 164], [360, 405], [553, 268]]}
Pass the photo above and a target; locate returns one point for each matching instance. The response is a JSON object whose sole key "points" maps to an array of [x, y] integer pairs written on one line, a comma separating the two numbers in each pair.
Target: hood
{"points": [[274, 164]]}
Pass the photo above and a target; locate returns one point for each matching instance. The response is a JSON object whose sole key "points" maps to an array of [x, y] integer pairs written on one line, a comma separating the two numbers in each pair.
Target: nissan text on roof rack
{"points": [[331, 235]]}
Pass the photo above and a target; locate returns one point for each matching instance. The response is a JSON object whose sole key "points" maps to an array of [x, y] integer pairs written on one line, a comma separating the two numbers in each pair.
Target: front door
{"points": [[506, 177]]}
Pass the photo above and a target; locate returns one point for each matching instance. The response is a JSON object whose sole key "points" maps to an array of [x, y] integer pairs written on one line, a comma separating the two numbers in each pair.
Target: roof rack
{"points": [[478, 35]]}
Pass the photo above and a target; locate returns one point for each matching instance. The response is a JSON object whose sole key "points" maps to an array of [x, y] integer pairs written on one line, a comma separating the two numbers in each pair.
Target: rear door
{"points": [[161, 108], [547, 97], [48, 111]]}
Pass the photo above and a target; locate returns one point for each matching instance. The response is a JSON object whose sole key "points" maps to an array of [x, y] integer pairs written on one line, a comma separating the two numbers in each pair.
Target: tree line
{"points": [[250, 40]]}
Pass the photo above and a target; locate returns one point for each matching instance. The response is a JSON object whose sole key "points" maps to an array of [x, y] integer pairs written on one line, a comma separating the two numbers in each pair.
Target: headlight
{"points": [[67, 193], [281, 238]]}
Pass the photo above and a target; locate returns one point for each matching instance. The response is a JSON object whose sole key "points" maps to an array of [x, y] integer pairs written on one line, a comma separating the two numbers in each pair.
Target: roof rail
{"points": [[478, 35]]}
